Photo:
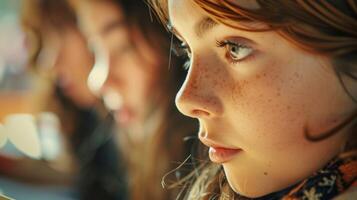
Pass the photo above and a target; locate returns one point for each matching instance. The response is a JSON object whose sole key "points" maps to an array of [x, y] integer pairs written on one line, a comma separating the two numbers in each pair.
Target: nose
{"points": [[198, 96], [99, 73], [103, 80]]}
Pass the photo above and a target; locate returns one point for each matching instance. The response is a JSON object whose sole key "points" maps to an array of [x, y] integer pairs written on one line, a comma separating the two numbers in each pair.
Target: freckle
{"points": [[198, 62], [289, 107], [237, 92], [257, 76], [215, 81], [194, 84], [278, 94], [265, 173], [265, 74]]}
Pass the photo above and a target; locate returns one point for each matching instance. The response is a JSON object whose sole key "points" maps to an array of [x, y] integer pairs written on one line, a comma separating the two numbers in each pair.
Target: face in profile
{"points": [[71, 60], [132, 62], [253, 93]]}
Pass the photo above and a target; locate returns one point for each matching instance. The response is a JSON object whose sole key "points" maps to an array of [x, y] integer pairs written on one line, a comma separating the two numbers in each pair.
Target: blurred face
{"points": [[132, 69], [253, 94], [68, 54]]}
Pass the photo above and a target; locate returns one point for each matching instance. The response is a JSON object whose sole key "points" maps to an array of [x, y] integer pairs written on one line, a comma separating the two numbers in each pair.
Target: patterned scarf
{"points": [[335, 178]]}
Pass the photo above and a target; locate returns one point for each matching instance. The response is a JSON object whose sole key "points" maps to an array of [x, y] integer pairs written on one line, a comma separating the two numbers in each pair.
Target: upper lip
{"points": [[211, 143]]}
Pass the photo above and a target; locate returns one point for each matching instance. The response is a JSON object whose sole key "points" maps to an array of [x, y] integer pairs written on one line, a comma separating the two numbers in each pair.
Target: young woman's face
{"points": [[132, 69], [71, 60], [253, 93]]}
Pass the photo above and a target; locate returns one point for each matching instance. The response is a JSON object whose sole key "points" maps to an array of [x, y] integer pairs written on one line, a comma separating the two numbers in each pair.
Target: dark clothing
{"points": [[101, 174]]}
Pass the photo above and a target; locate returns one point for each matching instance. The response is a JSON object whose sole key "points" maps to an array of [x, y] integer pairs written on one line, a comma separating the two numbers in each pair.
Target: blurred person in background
{"points": [[59, 51], [141, 81]]}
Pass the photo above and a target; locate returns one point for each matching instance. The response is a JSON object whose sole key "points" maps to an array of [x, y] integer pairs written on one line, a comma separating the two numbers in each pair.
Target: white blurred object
{"points": [[22, 132], [112, 100], [99, 72], [50, 137]]}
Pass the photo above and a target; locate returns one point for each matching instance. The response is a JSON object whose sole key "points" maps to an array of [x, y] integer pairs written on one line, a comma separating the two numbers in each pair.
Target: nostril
{"points": [[200, 113]]}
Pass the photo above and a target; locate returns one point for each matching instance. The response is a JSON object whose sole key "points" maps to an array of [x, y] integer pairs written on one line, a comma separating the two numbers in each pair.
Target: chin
{"points": [[247, 184], [246, 191]]}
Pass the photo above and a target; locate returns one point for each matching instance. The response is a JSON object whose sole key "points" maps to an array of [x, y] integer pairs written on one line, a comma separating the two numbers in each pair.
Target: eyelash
{"points": [[181, 49], [226, 44]]}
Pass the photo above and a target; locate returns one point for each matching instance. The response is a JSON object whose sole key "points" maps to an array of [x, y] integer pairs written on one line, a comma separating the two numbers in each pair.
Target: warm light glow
{"points": [[49, 131], [21, 130]]}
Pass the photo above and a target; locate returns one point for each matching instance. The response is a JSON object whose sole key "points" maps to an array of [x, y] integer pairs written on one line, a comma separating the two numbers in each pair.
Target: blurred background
{"points": [[25, 169], [87, 102], [15, 82]]}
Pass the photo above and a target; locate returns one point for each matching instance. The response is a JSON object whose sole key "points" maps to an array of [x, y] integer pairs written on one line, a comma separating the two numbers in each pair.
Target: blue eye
{"points": [[235, 52]]}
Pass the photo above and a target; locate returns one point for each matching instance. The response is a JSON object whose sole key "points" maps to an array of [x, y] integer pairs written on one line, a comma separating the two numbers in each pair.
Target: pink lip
{"points": [[222, 155]]}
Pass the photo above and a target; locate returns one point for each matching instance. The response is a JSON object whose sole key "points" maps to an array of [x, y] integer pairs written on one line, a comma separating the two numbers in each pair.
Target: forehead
{"points": [[188, 18], [95, 15], [184, 12]]}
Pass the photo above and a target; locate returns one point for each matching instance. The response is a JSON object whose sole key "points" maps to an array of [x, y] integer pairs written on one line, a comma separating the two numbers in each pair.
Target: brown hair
{"points": [[149, 160], [37, 16], [326, 28]]}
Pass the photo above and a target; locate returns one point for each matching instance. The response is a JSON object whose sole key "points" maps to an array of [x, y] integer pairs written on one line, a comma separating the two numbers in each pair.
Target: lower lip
{"points": [[222, 155]]}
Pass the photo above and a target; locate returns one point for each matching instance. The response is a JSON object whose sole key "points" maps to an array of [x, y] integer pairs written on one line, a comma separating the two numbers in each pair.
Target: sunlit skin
{"points": [[133, 70], [255, 92], [67, 53]]}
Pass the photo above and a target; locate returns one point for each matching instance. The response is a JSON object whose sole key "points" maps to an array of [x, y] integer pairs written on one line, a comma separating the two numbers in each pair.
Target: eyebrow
{"points": [[111, 26], [201, 28], [204, 26]]}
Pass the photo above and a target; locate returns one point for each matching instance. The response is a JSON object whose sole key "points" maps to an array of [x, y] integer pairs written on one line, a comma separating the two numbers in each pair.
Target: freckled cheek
{"points": [[266, 108], [211, 74]]}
